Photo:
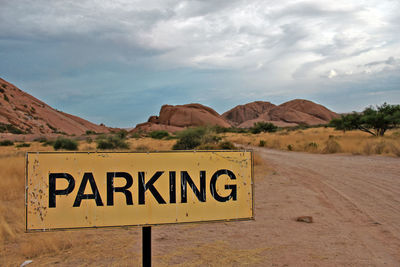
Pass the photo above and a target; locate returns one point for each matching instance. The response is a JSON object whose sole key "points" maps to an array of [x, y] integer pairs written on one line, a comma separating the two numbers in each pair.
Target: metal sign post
{"points": [[146, 246]]}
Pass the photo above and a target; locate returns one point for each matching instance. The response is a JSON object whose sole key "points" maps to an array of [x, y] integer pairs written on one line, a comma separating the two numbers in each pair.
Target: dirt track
{"points": [[354, 201]]}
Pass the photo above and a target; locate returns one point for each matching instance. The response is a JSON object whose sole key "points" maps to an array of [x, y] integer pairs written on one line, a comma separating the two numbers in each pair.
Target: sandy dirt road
{"points": [[354, 201]]}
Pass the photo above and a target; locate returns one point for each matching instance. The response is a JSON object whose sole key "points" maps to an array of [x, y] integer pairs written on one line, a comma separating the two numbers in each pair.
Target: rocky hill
{"points": [[176, 118], [23, 113], [291, 113], [250, 111]]}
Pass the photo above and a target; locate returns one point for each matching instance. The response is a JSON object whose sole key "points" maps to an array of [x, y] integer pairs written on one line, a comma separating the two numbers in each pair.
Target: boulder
{"points": [[190, 115]]}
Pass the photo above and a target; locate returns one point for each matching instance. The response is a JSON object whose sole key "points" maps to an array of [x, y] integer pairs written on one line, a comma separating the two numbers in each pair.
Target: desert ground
{"points": [[353, 199]]}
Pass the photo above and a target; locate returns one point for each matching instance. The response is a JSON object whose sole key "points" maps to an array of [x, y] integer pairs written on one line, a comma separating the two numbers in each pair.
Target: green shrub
{"points": [[23, 145], [112, 142], [263, 127], [158, 134], [202, 138], [6, 98], [4, 85], [90, 132], [1, 90], [189, 138], [262, 143], [290, 147], [6, 143], [122, 134], [65, 143]]}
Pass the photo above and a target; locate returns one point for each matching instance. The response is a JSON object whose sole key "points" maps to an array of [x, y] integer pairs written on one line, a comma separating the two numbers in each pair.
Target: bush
{"points": [[311, 147], [112, 142], [122, 134], [23, 145], [6, 98], [158, 134], [64, 143], [6, 143], [189, 138], [263, 127], [290, 147], [262, 143]]}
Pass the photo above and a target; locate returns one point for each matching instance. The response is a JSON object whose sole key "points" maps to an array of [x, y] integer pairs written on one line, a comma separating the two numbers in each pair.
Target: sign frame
{"points": [[252, 217]]}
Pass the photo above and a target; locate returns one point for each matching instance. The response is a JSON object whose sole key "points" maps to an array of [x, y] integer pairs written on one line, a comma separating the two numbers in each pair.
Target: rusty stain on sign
{"points": [[82, 189]]}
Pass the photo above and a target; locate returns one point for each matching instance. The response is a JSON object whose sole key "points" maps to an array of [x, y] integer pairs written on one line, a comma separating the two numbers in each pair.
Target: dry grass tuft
{"points": [[331, 146]]}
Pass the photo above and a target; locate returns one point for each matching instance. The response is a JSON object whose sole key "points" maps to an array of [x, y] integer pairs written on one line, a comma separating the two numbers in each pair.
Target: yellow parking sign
{"points": [[67, 190]]}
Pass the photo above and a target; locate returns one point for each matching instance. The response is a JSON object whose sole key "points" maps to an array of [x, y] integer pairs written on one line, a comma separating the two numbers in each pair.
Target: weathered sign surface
{"points": [[77, 190]]}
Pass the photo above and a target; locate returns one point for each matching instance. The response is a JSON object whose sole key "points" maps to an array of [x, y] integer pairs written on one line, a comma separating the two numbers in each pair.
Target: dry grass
{"points": [[324, 140]]}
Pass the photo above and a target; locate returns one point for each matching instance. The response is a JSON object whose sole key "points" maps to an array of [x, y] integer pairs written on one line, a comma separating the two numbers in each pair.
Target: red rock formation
{"points": [[175, 118], [250, 111], [311, 108], [31, 115], [281, 113], [288, 114], [190, 115]]}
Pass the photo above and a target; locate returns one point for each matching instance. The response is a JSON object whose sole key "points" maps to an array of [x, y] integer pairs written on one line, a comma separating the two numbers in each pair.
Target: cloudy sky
{"points": [[116, 62]]}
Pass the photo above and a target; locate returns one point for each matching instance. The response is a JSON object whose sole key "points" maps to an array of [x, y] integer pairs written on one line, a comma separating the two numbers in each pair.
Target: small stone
{"points": [[306, 219]]}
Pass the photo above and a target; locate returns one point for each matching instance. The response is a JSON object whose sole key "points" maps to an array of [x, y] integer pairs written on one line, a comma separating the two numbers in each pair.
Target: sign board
{"points": [[67, 190]]}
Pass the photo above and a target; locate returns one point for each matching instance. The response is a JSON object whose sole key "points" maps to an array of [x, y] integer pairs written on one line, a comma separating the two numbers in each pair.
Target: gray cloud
{"points": [[249, 49]]}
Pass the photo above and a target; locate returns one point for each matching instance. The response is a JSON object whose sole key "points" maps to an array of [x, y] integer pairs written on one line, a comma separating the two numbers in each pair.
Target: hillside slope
{"points": [[22, 113]]}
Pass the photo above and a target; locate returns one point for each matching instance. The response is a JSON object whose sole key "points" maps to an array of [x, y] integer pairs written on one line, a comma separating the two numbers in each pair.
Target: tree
{"points": [[261, 126], [375, 121]]}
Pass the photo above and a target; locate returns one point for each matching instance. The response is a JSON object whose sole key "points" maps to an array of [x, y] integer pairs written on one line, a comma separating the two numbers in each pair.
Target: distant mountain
{"points": [[23, 113]]}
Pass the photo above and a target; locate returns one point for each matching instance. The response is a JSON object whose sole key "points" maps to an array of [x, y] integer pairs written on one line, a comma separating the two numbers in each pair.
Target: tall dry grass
{"points": [[324, 140]]}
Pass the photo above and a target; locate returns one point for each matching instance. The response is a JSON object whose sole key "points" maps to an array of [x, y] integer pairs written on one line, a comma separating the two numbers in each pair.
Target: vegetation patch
{"points": [[6, 143], [112, 142], [202, 138], [23, 145], [260, 127], [9, 128], [159, 134], [65, 143], [375, 121]]}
